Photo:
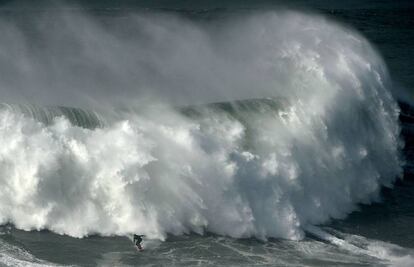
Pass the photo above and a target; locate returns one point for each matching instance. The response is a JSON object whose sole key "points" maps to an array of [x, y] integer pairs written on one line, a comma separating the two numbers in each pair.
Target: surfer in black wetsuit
{"points": [[137, 241]]}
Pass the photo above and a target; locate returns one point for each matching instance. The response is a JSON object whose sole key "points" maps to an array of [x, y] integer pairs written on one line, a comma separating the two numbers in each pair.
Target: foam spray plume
{"points": [[317, 135]]}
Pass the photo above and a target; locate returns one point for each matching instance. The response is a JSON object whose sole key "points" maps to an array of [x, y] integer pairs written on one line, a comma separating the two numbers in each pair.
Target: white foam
{"points": [[391, 254]]}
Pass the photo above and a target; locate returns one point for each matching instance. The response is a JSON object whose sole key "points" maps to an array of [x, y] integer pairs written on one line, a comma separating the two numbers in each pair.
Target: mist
{"points": [[72, 58]]}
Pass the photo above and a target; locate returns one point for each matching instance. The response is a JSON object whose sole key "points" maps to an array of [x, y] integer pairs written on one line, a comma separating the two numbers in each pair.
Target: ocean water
{"points": [[230, 134]]}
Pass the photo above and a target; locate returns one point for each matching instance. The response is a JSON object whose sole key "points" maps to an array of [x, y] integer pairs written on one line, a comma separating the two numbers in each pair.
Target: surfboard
{"points": [[138, 247]]}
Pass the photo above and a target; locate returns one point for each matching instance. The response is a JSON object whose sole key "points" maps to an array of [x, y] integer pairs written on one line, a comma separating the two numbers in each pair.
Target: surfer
{"points": [[137, 241]]}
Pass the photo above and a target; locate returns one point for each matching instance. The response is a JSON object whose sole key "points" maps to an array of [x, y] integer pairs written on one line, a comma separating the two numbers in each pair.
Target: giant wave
{"points": [[318, 136]]}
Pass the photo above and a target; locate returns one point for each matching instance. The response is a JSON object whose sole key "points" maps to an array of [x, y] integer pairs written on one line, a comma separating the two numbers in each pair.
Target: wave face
{"points": [[327, 140], [47, 115]]}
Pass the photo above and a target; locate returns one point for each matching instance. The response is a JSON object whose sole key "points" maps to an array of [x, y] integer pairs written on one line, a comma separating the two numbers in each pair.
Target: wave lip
{"points": [[47, 115]]}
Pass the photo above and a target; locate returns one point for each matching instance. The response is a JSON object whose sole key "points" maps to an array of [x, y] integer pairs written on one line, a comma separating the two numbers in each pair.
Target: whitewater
{"points": [[304, 127]]}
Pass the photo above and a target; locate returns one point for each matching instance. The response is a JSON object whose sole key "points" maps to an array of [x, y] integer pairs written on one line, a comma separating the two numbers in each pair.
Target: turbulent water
{"points": [[240, 138]]}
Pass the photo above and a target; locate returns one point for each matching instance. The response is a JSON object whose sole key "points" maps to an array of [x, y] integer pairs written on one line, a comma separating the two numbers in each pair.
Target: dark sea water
{"points": [[374, 234]]}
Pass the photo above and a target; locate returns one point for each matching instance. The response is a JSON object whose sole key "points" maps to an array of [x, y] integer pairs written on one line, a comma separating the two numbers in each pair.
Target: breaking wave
{"points": [[326, 140]]}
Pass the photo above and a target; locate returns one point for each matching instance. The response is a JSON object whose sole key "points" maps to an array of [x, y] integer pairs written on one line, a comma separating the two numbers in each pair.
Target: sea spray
{"points": [[328, 141]]}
